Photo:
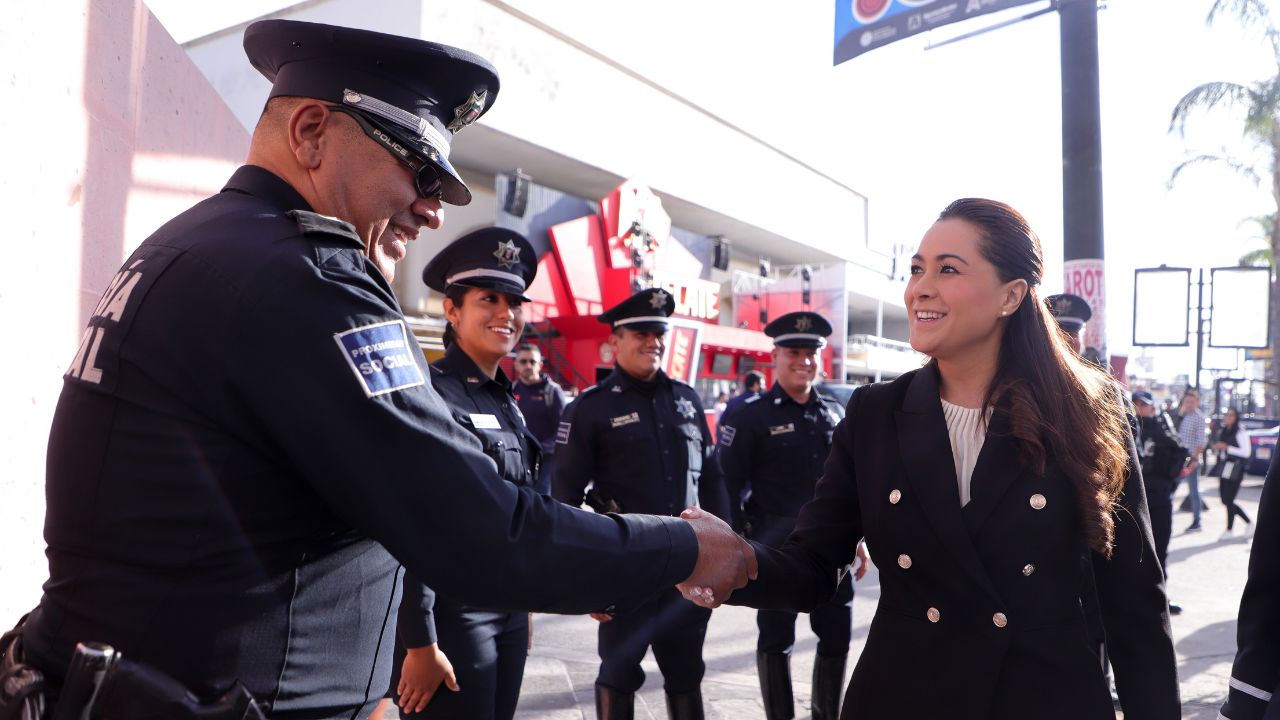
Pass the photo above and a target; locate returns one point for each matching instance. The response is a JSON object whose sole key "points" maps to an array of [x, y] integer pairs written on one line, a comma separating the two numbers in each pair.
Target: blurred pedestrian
{"points": [[1232, 446], [752, 383], [1191, 433], [541, 401]]}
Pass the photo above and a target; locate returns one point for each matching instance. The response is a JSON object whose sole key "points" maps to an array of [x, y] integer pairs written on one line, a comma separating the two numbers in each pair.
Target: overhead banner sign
{"points": [[863, 25]]}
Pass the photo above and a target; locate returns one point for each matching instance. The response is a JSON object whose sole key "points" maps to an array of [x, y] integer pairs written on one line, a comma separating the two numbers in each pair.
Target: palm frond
{"points": [[1250, 14], [1241, 168], [1208, 96], [1261, 256]]}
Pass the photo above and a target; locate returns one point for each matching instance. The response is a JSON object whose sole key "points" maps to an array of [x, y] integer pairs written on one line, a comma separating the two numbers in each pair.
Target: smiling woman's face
{"points": [[954, 296], [487, 324]]}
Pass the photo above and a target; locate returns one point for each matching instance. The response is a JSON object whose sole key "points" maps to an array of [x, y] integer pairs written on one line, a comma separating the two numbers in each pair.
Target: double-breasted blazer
{"points": [[979, 614]]}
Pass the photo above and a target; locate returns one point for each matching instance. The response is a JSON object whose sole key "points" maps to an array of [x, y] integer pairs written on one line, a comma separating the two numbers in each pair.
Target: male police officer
{"points": [[1254, 689], [248, 422], [774, 447], [642, 439]]}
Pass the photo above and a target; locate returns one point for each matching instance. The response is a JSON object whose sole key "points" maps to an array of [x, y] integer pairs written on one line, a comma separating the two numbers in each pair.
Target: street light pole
{"points": [[1082, 231]]}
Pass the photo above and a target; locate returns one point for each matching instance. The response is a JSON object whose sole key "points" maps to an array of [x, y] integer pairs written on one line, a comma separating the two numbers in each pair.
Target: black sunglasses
{"points": [[426, 176]]}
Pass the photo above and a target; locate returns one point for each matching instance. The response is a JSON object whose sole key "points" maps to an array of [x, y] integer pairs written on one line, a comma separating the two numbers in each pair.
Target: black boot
{"points": [[775, 685], [614, 704], [685, 706], [828, 682]]}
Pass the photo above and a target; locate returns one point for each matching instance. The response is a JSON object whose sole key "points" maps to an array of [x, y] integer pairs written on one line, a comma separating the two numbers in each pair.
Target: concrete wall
{"points": [[108, 130]]}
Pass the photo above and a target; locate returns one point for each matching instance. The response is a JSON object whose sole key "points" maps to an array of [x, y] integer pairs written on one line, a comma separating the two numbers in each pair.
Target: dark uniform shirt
{"points": [[487, 409], [1162, 455], [542, 404], [247, 425], [775, 447], [645, 445]]}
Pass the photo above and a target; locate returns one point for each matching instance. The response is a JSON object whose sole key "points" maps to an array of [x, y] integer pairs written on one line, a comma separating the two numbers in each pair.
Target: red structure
{"points": [[597, 261]]}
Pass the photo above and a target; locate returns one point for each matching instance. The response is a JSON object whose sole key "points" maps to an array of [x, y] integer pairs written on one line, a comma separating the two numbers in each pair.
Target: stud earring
{"points": [[1003, 313]]}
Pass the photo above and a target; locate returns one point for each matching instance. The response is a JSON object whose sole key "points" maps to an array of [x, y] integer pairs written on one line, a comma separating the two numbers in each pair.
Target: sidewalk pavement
{"points": [[1206, 576]]}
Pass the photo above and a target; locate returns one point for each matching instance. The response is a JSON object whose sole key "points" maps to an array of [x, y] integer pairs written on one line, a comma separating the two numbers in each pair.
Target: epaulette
{"points": [[591, 391], [310, 223], [752, 399]]}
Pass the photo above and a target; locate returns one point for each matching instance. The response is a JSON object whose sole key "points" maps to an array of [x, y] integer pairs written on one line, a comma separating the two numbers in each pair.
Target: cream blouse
{"points": [[968, 430]]}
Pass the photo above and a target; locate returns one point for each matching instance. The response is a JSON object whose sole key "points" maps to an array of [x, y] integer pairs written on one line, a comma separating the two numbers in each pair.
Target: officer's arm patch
{"points": [[381, 357], [726, 435], [562, 433]]}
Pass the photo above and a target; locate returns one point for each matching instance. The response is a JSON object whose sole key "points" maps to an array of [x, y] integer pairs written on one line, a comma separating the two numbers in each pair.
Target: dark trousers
{"points": [[1228, 487], [831, 621], [487, 651], [673, 626], [1160, 506]]}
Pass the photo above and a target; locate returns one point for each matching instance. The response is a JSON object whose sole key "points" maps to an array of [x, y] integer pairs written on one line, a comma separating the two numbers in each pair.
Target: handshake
{"points": [[725, 561]]}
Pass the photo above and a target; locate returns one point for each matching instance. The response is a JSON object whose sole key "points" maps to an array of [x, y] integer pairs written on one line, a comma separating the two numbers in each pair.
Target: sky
{"points": [[913, 127]]}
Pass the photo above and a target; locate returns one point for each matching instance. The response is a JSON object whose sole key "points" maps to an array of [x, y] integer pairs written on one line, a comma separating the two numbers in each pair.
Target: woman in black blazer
{"points": [[986, 484]]}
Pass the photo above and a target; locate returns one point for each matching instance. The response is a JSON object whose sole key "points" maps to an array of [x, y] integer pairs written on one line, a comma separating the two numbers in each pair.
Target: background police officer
{"points": [[641, 439], [248, 439], [772, 451]]}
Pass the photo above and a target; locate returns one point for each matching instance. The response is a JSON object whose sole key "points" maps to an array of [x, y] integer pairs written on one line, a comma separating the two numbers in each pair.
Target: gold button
{"points": [[904, 561], [999, 620], [1038, 502], [894, 496], [933, 615], [1028, 569]]}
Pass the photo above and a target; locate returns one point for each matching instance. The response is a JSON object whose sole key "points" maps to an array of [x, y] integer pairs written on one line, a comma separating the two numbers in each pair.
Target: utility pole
{"points": [[1082, 234]]}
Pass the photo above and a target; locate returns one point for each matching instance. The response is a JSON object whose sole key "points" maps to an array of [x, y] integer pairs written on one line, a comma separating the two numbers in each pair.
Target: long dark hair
{"points": [[454, 293], [1057, 404]]}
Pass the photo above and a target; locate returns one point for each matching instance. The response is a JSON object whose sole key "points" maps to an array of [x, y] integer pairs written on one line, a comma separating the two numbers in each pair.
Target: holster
{"points": [[22, 687], [601, 503]]}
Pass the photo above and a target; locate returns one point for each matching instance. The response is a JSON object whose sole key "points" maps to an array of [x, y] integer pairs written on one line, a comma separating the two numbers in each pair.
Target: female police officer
{"points": [[483, 276]]}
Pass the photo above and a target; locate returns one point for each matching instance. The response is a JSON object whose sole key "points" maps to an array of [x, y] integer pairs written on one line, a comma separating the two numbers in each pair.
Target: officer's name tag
{"points": [[381, 357], [482, 421], [625, 419], [781, 429]]}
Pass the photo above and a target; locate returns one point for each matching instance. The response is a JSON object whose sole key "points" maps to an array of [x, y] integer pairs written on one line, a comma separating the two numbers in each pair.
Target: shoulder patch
{"points": [[380, 356], [310, 223], [726, 433], [562, 433]]}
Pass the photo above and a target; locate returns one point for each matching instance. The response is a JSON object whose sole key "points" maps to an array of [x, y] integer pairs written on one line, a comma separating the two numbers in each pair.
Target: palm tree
{"points": [[1260, 102], [1264, 227]]}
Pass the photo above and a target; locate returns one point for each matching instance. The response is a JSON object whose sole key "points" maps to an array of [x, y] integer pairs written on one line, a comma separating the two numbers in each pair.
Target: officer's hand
{"points": [[420, 676], [863, 560], [601, 617], [725, 561]]}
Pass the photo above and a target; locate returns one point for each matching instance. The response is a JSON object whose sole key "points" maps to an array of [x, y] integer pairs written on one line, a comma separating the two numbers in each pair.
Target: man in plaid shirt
{"points": [[1191, 435]]}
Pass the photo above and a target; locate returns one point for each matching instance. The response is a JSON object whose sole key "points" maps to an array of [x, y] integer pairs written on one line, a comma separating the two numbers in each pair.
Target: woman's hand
{"points": [[420, 676], [863, 560], [1219, 446]]}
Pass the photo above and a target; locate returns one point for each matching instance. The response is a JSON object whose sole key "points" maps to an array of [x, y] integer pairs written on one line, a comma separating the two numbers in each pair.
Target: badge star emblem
{"points": [[508, 254], [685, 408], [803, 324], [659, 299], [467, 112]]}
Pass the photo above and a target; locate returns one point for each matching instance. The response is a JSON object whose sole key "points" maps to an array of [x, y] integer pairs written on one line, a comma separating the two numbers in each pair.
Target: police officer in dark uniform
{"points": [[641, 439], [1254, 690], [247, 440], [483, 276], [772, 450]]}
